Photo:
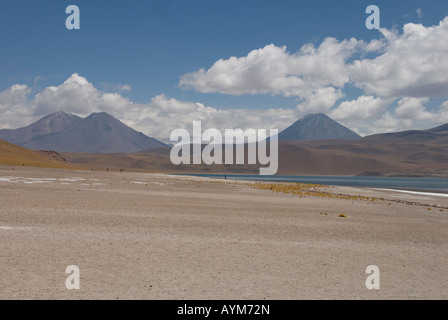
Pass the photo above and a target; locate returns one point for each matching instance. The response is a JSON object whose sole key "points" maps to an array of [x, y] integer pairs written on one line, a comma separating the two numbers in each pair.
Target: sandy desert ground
{"points": [[153, 236]]}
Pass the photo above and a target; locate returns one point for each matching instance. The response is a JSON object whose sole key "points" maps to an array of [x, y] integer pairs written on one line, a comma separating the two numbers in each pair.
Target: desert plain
{"points": [[158, 236]]}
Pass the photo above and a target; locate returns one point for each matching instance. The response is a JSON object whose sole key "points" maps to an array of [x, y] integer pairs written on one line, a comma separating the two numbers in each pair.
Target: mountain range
{"points": [[97, 133], [102, 133], [100, 141], [407, 153]]}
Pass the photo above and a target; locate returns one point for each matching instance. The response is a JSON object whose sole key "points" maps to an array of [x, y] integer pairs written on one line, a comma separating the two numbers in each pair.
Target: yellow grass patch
{"points": [[307, 189]]}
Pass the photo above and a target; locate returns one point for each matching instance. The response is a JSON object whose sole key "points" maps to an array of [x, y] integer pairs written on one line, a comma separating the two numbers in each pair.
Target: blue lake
{"points": [[403, 183]]}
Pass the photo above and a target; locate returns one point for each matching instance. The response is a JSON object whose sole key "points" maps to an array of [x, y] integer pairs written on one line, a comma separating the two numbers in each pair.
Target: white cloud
{"points": [[363, 108], [412, 108], [124, 87], [272, 70], [441, 116], [157, 118], [16, 95], [163, 114], [408, 67], [320, 101], [419, 12], [388, 123], [14, 107], [413, 64], [75, 94], [375, 115]]}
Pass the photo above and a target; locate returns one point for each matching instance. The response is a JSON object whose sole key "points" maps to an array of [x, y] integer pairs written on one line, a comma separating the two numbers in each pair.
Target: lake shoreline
{"points": [[411, 184]]}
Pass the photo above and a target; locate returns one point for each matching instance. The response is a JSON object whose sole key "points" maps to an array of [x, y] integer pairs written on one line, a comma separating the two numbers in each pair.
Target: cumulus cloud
{"points": [[412, 108], [398, 74], [14, 107], [411, 64], [389, 123], [363, 108], [157, 118], [15, 96], [75, 94], [124, 87], [442, 114], [163, 114], [320, 101], [273, 70]]}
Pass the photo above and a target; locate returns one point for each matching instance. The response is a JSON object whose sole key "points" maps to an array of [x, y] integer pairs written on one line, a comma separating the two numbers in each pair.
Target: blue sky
{"points": [[150, 45]]}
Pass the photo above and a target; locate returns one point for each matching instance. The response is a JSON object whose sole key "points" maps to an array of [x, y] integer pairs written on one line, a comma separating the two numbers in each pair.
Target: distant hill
{"points": [[407, 153], [413, 136], [97, 133], [442, 128], [317, 127], [14, 155]]}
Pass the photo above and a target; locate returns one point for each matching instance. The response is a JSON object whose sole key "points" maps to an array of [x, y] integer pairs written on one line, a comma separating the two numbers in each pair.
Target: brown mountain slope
{"points": [[416, 153], [11, 154], [335, 157]]}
